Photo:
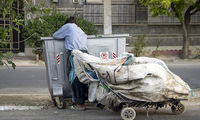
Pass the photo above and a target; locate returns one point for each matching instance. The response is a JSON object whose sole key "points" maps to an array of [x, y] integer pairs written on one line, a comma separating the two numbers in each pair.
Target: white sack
{"points": [[145, 79]]}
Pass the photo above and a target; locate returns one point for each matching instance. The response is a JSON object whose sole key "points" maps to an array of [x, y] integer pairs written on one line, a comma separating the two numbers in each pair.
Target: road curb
{"points": [[195, 93], [2, 108], [25, 101]]}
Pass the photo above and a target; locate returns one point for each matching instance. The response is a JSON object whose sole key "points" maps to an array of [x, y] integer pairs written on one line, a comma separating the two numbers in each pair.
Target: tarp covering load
{"points": [[136, 78]]}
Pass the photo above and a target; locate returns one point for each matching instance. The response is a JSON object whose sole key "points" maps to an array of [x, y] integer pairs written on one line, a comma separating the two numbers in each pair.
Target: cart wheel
{"points": [[60, 103], [54, 101], [178, 109], [101, 106], [128, 113]]}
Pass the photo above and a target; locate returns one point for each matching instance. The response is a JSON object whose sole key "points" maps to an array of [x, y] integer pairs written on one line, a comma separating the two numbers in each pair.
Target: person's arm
{"points": [[60, 33]]}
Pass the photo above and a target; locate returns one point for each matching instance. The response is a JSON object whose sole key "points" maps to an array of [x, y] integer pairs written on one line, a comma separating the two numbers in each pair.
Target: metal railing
{"points": [[127, 12], [13, 41]]}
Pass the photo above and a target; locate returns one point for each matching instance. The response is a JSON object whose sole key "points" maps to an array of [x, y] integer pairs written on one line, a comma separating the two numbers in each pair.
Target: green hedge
{"points": [[46, 25]]}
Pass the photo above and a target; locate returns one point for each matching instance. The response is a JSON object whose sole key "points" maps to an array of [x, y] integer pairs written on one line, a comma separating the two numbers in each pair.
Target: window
{"points": [[123, 12], [14, 37]]}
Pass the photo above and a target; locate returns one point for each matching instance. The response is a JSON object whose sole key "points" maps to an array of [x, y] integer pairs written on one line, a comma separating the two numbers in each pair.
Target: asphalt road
{"points": [[188, 72], [26, 80], [23, 80], [192, 113]]}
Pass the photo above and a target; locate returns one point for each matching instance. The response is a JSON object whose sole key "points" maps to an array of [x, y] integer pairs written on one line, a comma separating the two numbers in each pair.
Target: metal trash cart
{"points": [[104, 46]]}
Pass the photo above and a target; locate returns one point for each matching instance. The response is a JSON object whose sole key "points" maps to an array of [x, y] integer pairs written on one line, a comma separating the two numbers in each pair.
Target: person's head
{"points": [[71, 19]]}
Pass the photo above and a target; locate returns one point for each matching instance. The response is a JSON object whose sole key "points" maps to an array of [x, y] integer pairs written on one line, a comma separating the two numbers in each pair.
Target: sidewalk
{"points": [[28, 61], [31, 61], [176, 60], [45, 102]]}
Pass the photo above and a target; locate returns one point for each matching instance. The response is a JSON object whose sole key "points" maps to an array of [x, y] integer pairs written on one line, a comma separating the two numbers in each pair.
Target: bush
{"points": [[46, 25], [197, 53], [139, 45], [158, 42]]}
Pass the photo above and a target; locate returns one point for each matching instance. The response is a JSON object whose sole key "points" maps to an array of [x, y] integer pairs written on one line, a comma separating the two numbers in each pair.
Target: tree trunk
{"points": [[186, 34], [186, 41]]}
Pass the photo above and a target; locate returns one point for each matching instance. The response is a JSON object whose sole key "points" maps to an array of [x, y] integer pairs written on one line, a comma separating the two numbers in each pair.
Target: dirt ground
{"points": [[25, 100], [46, 102], [177, 60]]}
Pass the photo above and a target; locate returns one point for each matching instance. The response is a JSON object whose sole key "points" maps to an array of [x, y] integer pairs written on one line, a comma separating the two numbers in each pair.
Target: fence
{"points": [[14, 37], [126, 12], [123, 12], [164, 19]]}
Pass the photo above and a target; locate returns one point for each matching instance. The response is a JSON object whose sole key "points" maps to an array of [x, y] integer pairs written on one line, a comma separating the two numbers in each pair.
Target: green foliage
{"points": [[46, 25], [168, 7], [157, 46], [86, 26], [7, 8], [197, 53], [181, 9], [6, 59], [139, 45]]}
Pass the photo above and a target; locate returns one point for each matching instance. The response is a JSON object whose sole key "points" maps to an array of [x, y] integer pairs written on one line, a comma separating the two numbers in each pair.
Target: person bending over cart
{"points": [[75, 38]]}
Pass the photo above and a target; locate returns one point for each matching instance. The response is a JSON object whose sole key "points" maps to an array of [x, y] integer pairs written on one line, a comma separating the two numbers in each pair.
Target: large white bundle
{"points": [[144, 79]]}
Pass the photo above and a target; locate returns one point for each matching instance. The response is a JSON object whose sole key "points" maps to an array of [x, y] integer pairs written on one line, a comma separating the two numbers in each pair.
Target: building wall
{"points": [[65, 6], [168, 35], [58, 4], [128, 16], [135, 19]]}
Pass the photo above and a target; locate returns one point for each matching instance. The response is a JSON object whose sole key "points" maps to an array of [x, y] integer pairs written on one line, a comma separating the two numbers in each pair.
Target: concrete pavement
{"points": [[93, 113], [28, 61]]}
